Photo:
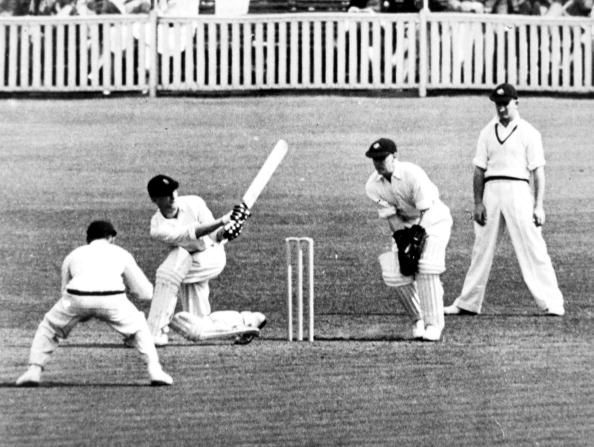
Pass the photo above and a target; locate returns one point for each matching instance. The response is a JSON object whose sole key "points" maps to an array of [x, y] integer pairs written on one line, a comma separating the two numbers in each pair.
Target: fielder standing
{"points": [[94, 281], [197, 255], [509, 156], [406, 196]]}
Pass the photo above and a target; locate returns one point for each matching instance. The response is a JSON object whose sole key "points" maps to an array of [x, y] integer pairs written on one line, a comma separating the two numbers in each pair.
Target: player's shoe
{"points": [[158, 376], [555, 311], [252, 320], [418, 329], [247, 335], [162, 338], [31, 377], [455, 310], [432, 333]]}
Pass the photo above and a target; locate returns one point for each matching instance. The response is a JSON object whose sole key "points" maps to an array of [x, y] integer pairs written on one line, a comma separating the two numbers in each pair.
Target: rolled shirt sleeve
{"points": [[181, 230]]}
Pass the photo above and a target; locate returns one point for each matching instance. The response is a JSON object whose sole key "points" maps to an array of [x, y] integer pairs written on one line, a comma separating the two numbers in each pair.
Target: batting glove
{"points": [[232, 230], [240, 213]]}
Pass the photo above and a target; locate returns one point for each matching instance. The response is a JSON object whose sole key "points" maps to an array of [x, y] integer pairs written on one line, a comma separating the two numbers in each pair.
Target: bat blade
{"points": [[265, 173]]}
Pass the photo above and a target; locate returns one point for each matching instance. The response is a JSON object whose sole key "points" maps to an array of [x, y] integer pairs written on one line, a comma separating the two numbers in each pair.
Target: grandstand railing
{"points": [[343, 51]]}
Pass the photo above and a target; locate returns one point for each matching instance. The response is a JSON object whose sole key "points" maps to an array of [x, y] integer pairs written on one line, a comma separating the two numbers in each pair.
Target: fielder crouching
{"points": [[406, 197], [95, 278], [197, 255]]}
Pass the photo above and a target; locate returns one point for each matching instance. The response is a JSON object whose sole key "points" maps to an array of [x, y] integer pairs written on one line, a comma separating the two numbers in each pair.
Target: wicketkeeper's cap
{"points": [[161, 185], [503, 92], [381, 148], [100, 229]]}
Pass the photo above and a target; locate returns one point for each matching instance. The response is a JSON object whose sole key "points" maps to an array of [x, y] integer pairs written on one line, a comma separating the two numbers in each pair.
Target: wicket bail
{"points": [[299, 245]]}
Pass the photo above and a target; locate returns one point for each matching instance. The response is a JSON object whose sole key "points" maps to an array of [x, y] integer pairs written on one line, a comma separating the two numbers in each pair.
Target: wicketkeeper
{"points": [[421, 224], [197, 255]]}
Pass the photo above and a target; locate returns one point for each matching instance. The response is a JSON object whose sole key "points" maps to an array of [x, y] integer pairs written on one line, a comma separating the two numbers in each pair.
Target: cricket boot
{"points": [[31, 377], [158, 376], [252, 320]]}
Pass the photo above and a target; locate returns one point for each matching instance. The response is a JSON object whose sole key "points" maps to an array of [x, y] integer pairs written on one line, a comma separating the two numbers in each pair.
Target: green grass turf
{"points": [[509, 377]]}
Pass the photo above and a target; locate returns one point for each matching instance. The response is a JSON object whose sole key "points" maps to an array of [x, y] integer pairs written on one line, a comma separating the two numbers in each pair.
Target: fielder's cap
{"points": [[161, 185], [503, 92], [100, 229], [381, 148]]}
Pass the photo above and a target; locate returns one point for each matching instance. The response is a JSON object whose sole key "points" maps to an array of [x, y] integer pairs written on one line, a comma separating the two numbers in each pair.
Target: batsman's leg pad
{"points": [[391, 270], [169, 277], [431, 297], [409, 298], [196, 328], [253, 319]]}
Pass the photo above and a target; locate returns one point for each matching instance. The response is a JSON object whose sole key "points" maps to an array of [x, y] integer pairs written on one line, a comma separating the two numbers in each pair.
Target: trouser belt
{"points": [[505, 177], [94, 293]]}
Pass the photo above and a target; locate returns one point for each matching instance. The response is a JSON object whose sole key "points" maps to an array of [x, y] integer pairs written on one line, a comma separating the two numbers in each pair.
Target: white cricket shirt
{"points": [[104, 267], [511, 151], [409, 190], [180, 231]]}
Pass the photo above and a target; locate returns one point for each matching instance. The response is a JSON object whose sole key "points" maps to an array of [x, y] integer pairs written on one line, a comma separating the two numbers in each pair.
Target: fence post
{"points": [[154, 53], [423, 50]]}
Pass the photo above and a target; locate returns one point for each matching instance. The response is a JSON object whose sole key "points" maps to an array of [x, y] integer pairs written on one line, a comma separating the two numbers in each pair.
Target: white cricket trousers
{"points": [[512, 202], [195, 289], [115, 310]]}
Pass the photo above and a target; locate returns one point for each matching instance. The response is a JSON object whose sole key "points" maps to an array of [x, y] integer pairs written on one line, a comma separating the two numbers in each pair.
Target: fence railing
{"points": [[423, 51]]}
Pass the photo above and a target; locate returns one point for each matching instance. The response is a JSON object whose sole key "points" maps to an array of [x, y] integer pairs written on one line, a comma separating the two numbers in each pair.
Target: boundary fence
{"points": [[342, 51]]}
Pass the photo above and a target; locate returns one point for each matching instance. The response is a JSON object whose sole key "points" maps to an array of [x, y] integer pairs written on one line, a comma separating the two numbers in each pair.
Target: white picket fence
{"points": [[299, 51]]}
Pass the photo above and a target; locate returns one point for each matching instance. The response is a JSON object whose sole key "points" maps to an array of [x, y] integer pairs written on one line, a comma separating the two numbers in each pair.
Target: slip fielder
{"points": [[95, 280], [509, 155]]}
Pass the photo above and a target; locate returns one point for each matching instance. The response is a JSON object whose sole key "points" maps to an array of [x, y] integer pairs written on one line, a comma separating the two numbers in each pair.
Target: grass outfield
{"points": [[508, 377]]}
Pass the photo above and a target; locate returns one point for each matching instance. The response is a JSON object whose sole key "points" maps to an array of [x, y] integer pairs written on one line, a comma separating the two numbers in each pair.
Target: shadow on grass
{"points": [[348, 338], [50, 384]]}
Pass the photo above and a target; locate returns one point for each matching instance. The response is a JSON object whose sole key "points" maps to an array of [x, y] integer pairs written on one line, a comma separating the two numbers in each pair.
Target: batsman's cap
{"points": [[503, 93], [100, 229], [161, 185], [381, 148]]}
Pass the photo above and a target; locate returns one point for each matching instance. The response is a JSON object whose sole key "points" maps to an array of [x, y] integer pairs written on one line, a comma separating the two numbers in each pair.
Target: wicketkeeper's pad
{"points": [[195, 328]]}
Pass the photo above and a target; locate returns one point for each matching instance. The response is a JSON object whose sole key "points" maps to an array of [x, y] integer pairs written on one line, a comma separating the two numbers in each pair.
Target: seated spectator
{"points": [[13, 7], [475, 6], [578, 8], [523, 7]]}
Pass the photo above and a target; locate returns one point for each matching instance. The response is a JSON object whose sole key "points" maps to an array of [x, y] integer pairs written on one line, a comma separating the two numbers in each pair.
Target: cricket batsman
{"points": [[421, 224], [197, 254]]}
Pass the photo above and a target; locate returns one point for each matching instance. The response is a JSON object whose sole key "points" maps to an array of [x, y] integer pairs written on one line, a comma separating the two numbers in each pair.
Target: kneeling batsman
{"points": [[197, 255]]}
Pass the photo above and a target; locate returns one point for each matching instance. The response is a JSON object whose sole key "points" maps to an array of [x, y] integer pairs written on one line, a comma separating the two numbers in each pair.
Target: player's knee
{"points": [[52, 329], [391, 271], [175, 266], [431, 267], [397, 280]]}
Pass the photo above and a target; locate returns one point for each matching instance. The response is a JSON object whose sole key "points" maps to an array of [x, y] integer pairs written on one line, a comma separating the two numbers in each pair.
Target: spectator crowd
{"points": [[549, 8]]}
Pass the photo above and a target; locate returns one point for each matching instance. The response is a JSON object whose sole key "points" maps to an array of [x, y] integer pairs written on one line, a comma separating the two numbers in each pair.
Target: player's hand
{"points": [[538, 216], [226, 218], [232, 230], [240, 213], [480, 214]]}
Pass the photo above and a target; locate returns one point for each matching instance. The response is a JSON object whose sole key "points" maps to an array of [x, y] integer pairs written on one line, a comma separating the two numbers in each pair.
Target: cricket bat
{"points": [[265, 173]]}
